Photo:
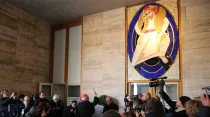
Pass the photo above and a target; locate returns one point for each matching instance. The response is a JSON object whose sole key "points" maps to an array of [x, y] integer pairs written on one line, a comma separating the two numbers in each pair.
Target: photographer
{"points": [[145, 96], [153, 108], [176, 109]]}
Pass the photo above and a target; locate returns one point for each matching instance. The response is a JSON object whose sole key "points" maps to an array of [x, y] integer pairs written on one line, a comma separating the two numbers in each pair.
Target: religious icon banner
{"points": [[153, 40]]}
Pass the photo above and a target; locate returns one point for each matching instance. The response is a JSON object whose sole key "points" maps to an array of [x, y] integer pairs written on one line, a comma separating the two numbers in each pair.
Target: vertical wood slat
{"points": [[81, 60], [66, 63], [126, 52], [51, 57], [180, 49]]}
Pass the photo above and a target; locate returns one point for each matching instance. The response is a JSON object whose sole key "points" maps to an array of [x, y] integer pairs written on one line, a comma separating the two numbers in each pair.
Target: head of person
{"points": [[193, 108], [182, 101], [42, 106], [34, 98], [74, 104], [149, 12], [145, 96], [136, 102], [85, 98], [5, 93], [154, 106], [21, 97], [26, 100], [109, 100], [139, 96], [55, 98], [41, 95], [111, 113]]}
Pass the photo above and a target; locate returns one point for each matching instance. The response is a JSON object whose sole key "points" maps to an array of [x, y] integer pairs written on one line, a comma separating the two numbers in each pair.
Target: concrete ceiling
{"points": [[62, 11]]}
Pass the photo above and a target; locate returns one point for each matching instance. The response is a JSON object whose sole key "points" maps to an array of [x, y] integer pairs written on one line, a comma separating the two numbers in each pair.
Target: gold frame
{"points": [[152, 91]]}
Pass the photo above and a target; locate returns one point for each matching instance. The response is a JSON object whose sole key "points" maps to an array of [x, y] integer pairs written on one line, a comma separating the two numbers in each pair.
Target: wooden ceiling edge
{"points": [[66, 25]]}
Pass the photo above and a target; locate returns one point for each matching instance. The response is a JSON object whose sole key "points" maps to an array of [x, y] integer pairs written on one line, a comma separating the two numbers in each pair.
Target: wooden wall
{"points": [[103, 54], [196, 45], [24, 50]]}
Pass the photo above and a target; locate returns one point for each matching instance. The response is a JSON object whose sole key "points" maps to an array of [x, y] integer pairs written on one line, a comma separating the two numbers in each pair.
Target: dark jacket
{"points": [[6, 101], [112, 106], [153, 115], [179, 114], [56, 109], [86, 109], [69, 112], [205, 111]]}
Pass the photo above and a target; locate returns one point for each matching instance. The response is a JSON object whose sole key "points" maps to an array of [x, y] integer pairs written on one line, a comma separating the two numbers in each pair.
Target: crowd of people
{"points": [[142, 105]]}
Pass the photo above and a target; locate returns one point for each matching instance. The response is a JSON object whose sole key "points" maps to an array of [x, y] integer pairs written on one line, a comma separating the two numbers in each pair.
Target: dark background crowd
{"points": [[142, 105]]}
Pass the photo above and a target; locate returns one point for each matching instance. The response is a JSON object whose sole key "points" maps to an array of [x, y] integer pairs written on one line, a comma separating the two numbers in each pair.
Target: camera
{"points": [[157, 82], [207, 90], [138, 108], [134, 97]]}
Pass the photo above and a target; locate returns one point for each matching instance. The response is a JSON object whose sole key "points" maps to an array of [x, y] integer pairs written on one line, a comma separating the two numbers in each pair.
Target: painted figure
{"points": [[153, 39]]}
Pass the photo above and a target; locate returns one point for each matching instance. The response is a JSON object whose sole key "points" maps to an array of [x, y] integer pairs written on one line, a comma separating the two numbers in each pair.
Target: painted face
{"points": [[148, 14]]}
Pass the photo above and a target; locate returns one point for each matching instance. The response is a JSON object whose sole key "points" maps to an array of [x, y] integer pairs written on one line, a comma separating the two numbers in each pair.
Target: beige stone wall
{"points": [[196, 47], [103, 54], [24, 50]]}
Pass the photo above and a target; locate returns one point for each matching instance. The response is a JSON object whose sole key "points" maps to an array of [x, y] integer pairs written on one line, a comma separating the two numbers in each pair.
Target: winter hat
{"points": [[184, 99]]}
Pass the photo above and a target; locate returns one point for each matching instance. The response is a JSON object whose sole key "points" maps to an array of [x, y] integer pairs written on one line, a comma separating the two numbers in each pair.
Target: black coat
{"points": [[69, 112], [56, 109], [85, 109], [112, 106], [6, 101], [179, 114]]}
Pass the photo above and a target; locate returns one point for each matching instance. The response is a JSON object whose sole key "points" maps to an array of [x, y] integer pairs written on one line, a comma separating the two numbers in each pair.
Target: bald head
{"points": [[145, 96]]}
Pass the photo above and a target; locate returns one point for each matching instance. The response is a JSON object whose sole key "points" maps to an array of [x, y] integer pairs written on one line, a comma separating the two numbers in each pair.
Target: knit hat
{"points": [[184, 99]]}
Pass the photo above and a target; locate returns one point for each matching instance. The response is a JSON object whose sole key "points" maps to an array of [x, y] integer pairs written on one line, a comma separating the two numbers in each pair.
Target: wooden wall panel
{"points": [[195, 38], [24, 50], [103, 57]]}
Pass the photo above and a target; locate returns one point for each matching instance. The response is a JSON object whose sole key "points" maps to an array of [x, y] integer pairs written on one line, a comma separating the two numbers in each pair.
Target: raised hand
{"points": [[205, 100], [95, 93]]}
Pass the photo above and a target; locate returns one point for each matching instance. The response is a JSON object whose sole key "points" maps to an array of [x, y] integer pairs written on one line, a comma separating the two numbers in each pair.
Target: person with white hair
{"points": [[56, 106], [28, 106], [110, 105]]}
